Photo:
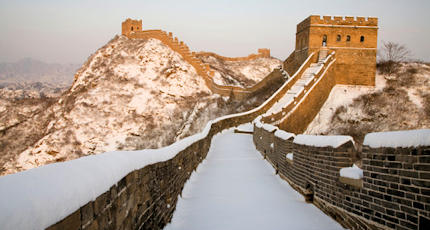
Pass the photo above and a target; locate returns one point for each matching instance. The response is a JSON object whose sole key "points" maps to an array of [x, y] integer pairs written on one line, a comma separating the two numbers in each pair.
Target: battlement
{"points": [[264, 52], [130, 25], [337, 21]]}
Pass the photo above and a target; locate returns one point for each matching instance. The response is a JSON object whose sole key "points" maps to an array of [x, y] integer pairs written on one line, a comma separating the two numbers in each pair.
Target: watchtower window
{"points": [[348, 38], [132, 28], [324, 41], [339, 38], [137, 28], [362, 39]]}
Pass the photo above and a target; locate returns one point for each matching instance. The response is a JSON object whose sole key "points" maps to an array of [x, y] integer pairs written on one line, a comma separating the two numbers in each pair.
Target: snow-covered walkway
{"points": [[235, 188]]}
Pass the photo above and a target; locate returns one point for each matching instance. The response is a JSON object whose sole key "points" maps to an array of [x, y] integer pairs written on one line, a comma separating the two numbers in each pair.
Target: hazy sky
{"points": [[65, 31]]}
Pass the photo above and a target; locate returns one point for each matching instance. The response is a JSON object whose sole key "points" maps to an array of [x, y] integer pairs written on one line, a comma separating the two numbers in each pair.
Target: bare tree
{"points": [[390, 55]]}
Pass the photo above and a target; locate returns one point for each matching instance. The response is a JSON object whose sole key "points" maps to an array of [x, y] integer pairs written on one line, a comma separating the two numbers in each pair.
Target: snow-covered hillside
{"points": [[398, 102], [241, 73], [131, 94]]}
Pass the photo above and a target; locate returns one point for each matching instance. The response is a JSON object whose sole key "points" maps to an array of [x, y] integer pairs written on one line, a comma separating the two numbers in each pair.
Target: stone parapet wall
{"points": [[396, 181], [293, 63], [144, 199]]}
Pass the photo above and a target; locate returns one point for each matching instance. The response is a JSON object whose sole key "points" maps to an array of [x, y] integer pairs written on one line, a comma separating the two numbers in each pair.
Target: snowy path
{"points": [[234, 188], [307, 77]]}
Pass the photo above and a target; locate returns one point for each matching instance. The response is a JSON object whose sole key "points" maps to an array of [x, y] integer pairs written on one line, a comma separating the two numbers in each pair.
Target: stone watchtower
{"points": [[353, 39], [129, 25]]}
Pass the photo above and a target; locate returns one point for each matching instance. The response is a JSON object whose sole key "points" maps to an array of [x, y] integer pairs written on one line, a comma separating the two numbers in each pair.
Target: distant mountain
{"points": [[30, 71]]}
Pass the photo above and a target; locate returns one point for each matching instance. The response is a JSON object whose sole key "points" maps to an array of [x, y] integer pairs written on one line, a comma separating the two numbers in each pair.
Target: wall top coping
{"points": [[396, 139], [323, 141], [338, 21], [284, 135], [269, 128], [353, 172]]}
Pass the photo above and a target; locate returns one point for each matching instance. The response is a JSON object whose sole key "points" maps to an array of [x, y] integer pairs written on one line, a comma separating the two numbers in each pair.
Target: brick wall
{"points": [[396, 182]]}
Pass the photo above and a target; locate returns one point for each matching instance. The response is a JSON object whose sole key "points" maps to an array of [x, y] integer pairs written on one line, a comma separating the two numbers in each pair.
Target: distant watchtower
{"points": [[353, 39], [129, 25]]}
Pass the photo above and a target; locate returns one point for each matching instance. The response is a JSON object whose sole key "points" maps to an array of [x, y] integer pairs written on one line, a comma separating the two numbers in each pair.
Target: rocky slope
{"points": [[241, 73], [131, 94], [398, 102]]}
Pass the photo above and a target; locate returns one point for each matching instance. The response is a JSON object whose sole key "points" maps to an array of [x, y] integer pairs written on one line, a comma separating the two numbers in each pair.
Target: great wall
{"points": [[130, 28], [393, 193]]}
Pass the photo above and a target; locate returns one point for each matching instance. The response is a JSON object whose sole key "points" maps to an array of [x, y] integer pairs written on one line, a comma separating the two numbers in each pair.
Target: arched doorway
{"points": [[324, 41]]}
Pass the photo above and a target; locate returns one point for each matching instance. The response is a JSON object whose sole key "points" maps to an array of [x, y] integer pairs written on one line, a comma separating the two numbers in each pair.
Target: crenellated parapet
{"points": [[129, 26], [337, 21]]}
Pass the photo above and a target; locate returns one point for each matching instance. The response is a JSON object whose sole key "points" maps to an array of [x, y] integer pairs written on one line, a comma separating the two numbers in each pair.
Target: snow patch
{"points": [[415, 98], [398, 139], [269, 128], [284, 135], [340, 95], [353, 172], [290, 156], [245, 128]]}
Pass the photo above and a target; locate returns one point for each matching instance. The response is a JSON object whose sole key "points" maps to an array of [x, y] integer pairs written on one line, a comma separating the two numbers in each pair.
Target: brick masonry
{"points": [[396, 182], [144, 199]]}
